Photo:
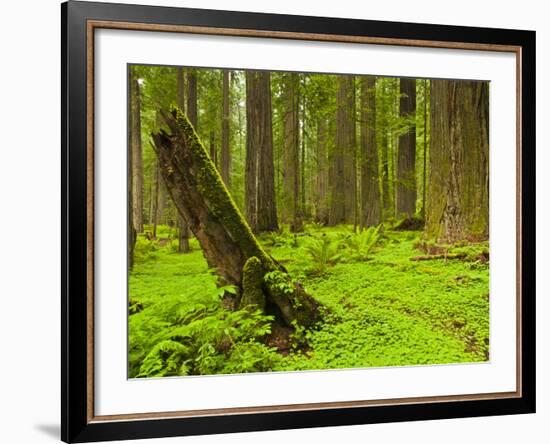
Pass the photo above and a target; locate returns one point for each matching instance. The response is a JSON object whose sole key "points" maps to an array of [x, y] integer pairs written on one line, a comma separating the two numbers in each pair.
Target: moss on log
{"points": [[228, 244], [253, 276]]}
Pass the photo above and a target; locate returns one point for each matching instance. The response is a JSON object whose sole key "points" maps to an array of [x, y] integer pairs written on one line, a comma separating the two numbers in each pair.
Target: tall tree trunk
{"points": [[226, 240], [350, 155], [131, 235], [425, 150], [180, 88], [267, 208], [406, 152], [213, 150], [251, 162], [291, 149], [155, 200], [192, 98], [343, 184], [260, 202], [458, 192], [370, 183], [385, 152], [183, 230], [161, 202], [303, 151], [136, 153], [226, 151], [322, 171]]}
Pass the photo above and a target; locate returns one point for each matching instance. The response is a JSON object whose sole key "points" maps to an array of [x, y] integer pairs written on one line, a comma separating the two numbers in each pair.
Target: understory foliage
{"points": [[183, 328], [383, 307]]}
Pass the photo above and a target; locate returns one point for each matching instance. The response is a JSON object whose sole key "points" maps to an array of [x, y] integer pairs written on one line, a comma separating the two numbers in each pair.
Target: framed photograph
{"points": [[275, 221]]}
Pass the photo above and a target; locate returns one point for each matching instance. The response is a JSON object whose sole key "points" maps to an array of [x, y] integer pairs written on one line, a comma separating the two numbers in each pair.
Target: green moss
{"points": [[253, 294], [212, 187]]}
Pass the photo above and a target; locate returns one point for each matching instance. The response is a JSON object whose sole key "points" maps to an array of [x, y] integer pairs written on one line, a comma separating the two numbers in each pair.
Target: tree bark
{"points": [[155, 201], [259, 170], [183, 230], [213, 150], [291, 152], [458, 191], [425, 150], [131, 235], [303, 209], [225, 238], [406, 152], [136, 153], [370, 183], [225, 151], [322, 171], [385, 153], [192, 98], [343, 183], [251, 159]]}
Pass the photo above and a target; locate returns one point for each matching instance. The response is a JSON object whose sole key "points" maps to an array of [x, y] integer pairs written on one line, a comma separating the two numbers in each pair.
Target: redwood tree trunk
{"points": [[259, 171], [251, 160], [370, 184], [291, 158], [343, 172], [131, 235], [183, 230], [322, 171], [225, 151], [406, 152], [192, 98], [227, 241], [136, 152], [458, 184], [155, 198], [385, 158]]}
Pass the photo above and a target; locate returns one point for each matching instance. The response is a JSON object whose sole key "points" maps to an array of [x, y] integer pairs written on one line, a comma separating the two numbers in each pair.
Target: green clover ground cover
{"points": [[382, 308]]}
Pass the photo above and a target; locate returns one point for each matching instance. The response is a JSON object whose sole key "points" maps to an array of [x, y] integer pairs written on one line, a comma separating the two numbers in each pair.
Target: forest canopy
{"points": [[287, 221]]}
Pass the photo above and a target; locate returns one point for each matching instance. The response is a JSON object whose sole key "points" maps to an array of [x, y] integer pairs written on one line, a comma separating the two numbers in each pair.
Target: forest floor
{"points": [[389, 300]]}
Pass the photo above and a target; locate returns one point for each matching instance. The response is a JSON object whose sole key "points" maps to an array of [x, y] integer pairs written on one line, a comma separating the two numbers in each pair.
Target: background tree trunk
{"points": [[251, 161], [131, 235], [260, 171], [343, 180], [155, 201], [291, 152], [322, 173], [406, 152], [136, 152], [226, 240], [385, 156], [425, 150], [348, 120], [458, 191], [370, 184], [226, 151], [183, 230], [192, 98], [267, 209], [213, 150]]}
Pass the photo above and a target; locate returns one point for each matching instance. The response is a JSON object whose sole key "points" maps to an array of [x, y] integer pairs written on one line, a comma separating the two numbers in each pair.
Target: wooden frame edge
{"points": [[91, 25]]}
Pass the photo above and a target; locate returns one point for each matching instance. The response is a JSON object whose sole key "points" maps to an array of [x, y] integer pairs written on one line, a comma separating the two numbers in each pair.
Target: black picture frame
{"points": [[76, 423]]}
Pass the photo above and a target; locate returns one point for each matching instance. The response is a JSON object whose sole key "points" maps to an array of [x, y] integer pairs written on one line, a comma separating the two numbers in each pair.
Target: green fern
{"points": [[362, 243], [323, 252], [192, 333]]}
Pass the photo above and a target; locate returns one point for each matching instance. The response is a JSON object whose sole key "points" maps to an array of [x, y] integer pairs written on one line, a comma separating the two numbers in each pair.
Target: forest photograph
{"points": [[292, 221]]}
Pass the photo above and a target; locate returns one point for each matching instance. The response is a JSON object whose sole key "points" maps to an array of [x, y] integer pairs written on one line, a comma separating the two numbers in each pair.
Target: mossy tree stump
{"points": [[227, 241]]}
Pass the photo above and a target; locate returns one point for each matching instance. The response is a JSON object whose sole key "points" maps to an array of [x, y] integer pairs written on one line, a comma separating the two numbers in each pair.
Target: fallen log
{"points": [[227, 242]]}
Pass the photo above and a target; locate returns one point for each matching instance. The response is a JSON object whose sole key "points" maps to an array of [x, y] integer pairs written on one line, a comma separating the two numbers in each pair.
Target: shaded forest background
{"points": [[287, 221], [335, 149]]}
